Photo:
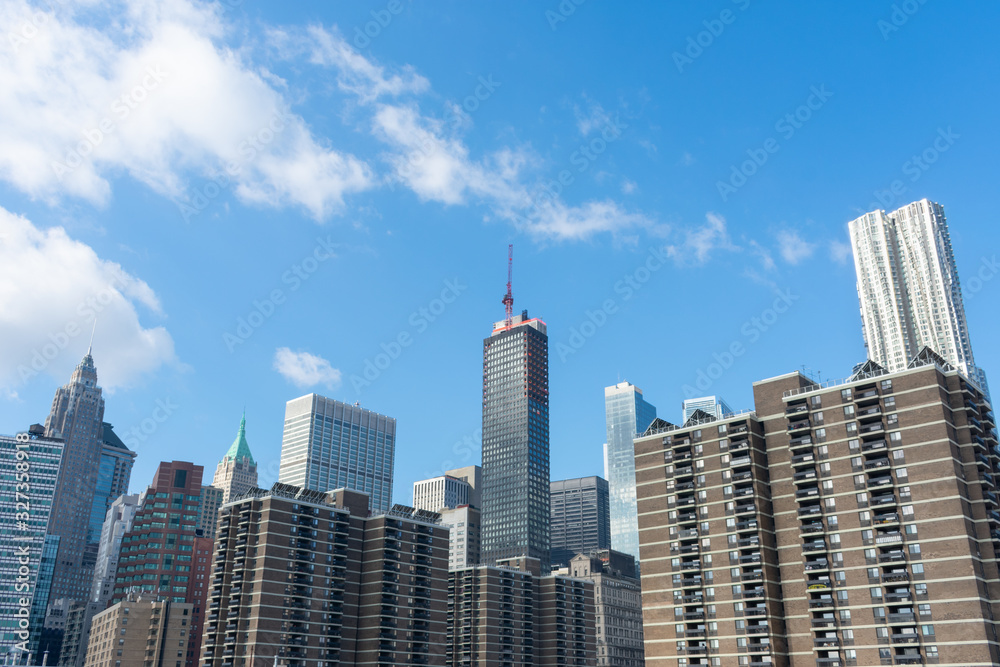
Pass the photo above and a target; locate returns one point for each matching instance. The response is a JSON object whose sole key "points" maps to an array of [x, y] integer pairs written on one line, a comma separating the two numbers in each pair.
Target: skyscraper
{"points": [[29, 466], [440, 492], [909, 290], [712, 406], [117, 522], [627, 414], [237, 471], [580, 521], [113, 475], [77, 416], [332, 445], [516, 441]]}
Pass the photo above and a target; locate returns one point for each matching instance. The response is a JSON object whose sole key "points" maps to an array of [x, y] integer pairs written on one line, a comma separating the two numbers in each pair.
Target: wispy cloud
{"points": [[793, 248], [840, 252], [700, 243], [305, 370]]}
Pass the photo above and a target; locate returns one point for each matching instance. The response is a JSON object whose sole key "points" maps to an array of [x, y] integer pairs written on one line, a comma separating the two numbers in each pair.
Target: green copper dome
{"points": [[241, 448]]}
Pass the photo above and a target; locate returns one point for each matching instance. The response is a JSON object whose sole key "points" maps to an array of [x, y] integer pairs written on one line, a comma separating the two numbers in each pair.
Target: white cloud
{"points": [[175, 104], [701, 242], [51, 289], [840, 252], [305, 370], [629, 187], [793, 248], [766, 259], [593, 118]]}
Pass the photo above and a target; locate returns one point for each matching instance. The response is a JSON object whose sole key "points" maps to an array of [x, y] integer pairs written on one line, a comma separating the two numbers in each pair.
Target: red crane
{"points": [[508, 299]]}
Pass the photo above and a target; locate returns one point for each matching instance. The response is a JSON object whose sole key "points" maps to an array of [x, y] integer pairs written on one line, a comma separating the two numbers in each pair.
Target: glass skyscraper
{"points": [[515, 519], [29, 468], [627, 415], [713, 406], [113, 475], [330, 445]]}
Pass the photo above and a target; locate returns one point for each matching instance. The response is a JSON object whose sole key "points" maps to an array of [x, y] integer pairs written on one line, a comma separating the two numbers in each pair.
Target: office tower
{"points": [[473, 476], [516, 441], [880, 499], [140, 630], [627, 414], [509, 615], [909, 289], [113, 476], [618, 605], [580, 518], [159, 550], [237, 471], [441, 492], [208, 511], [29, 466], [706, 537], [325, 583], [713, 406], [464, 536], [77, 416], [330, 445]]}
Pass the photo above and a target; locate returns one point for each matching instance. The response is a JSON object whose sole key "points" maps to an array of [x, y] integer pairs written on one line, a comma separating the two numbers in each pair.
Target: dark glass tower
{"points": [[581, 518], [515, 518]]}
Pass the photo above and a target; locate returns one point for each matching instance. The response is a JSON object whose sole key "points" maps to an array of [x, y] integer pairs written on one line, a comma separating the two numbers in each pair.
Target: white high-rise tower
{"points": [[909, 290]]}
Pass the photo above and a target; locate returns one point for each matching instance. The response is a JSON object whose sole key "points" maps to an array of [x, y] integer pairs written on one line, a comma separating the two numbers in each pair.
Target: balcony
{"points": [[894, 537], [746, 509], [889, 499], [814, 527], [740, 461], [895, 576], [826, 602], [799, 459], [877, 463], [873, 446], [804, 476], [902, 617], [892, 557], [796, 409], [872, 428], [815, 545], [799, 425], [875, 482]]}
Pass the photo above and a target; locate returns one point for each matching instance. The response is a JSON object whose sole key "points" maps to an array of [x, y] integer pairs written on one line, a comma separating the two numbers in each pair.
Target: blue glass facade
{"points": [[627, 415]]}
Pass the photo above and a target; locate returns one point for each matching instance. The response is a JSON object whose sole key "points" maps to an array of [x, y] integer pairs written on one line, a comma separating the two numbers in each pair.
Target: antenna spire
{"points": [[508, 299], [90, 347]]}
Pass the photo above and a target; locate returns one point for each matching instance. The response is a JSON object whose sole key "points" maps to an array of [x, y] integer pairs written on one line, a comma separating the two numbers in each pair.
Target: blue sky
{"points": [[262, 158]]}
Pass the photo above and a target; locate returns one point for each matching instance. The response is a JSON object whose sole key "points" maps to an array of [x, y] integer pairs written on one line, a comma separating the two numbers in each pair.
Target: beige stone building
{"points": [[140, 632]]}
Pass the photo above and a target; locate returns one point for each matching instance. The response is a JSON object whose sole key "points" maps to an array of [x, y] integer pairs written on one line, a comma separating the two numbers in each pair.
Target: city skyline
{"points": [[348, 289]]}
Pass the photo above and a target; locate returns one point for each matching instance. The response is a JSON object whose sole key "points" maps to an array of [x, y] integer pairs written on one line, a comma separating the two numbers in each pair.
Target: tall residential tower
{"points": [[909, 290], [628, 415], [516, 441]]}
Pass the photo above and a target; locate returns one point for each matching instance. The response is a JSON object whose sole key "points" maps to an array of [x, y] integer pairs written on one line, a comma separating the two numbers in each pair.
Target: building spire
{"points": [[240, 448], [90, 348]]}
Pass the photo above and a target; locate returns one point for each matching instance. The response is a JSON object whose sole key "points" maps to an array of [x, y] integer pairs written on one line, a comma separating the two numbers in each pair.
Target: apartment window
{"points": [[890, 402], [886, 385], [927, 630], [870, 554], [820, 433], [848, 411], [917, 568], [816, 401], [845, 615], [862, 499], [722, 429], [921, 589], [853, 445], [931, 651], [895, 436], [873, 573], [898, 454], [850, 654], [831, 503], [924, 609], [876, 593], [914, 549], [845, 394], [892, 419], [851, 427]]}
